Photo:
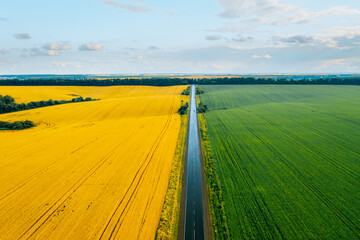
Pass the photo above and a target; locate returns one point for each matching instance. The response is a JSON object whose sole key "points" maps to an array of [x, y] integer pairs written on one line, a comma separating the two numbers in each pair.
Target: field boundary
{"points": [[218, 220]]}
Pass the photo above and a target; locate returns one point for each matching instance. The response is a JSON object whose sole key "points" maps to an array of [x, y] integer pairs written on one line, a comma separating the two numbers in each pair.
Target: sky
{"points": [[179, 36]]}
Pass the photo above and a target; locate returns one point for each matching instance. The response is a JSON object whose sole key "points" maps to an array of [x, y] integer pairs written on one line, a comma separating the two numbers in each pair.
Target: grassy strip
{"points": [[217, 210], [169, 220]]}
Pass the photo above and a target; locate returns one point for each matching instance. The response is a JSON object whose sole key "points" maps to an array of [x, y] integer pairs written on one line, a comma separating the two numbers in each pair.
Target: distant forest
{"points": [[176, 81]]}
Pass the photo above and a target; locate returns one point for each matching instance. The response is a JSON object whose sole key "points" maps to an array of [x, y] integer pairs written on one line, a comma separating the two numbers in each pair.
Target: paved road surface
{"points": [[194, 210]]}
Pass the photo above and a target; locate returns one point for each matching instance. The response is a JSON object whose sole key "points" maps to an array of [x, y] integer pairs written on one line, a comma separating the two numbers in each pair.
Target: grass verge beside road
{"points": [[220, 229]]}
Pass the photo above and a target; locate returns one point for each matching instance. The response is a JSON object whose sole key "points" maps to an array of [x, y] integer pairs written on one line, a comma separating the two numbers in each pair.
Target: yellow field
{"points": [[90, 170]]}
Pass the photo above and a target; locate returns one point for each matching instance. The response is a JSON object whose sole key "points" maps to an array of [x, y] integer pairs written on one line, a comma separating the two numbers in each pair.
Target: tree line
{"points": [[177, 81], [8, 104]]}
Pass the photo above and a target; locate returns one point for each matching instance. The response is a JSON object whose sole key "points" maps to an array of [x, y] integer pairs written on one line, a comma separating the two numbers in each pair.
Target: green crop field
{"points": [[288, 159]]}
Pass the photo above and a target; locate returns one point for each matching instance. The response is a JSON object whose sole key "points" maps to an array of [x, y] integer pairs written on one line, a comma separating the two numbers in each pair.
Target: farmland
{"points": [[288, 159], [89, 170]]}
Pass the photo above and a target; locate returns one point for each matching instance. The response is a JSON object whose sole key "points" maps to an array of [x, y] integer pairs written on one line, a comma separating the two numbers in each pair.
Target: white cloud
{"points": [[238, 39], [337, 64], [218, 66], [228, 28], [91, 46], [238, 9], [338, 37], [9, 61], [349, 32], [335, 37], [129, 7], [318, 40], [213, 37], [57, 46], [36, 52], [295, 39], [153, 48], [4, 51], [266, 56], [339, 61], [339, 11], [52, 52], [170, 13], [243, 39], [140, 57], [22, 36], [48, 49], [276, 12]]}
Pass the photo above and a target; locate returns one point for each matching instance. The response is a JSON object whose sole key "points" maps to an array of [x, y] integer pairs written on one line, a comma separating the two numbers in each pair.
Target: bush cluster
{"points": [[199, 91], [202, 108], [183, 109], [16, 125], [186, 91]]}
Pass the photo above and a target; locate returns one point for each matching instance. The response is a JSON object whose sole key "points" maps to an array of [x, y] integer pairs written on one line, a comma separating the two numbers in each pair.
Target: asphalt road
{"points": [[194, 209]]}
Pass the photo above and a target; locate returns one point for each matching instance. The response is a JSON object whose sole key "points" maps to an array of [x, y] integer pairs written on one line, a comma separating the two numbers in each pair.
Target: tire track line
{"points": [[73, 189], [133, 185], [150, 154], [32, 177], [328, 203], [147, 208], [255, 199]]}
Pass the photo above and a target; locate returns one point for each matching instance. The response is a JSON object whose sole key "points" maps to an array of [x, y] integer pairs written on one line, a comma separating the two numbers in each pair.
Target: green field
{"points": [[288, 159]]}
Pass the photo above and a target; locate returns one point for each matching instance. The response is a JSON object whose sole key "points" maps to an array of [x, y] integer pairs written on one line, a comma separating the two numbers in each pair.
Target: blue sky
{"points": [[179, 36]]}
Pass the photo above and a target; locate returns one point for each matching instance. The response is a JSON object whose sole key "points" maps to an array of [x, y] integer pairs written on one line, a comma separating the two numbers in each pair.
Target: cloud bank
{"points": [[277, 12], [91, 46]]}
